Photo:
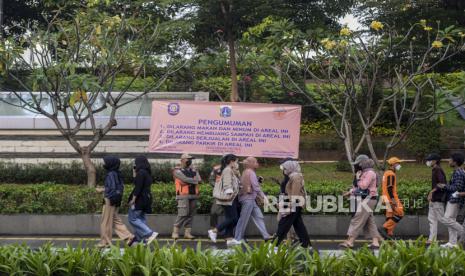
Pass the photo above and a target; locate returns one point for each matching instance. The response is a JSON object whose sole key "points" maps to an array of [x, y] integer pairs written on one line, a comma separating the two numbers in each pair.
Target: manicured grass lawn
{"points": [[316, 173]]}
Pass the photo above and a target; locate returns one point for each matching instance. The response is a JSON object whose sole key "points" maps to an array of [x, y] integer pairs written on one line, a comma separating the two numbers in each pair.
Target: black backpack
{"points": [[116, 196]]}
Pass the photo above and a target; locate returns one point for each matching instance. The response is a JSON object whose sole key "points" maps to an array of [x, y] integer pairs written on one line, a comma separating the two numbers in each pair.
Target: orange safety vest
{"points": [[182, 189], [390, 179]]}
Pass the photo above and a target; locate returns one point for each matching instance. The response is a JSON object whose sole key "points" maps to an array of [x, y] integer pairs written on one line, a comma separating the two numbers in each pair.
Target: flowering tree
{"points": [[354, 78], [75, 62]]}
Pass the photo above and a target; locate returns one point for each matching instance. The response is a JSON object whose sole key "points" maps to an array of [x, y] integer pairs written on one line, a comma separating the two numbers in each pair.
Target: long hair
{"points": [[226, 160]]}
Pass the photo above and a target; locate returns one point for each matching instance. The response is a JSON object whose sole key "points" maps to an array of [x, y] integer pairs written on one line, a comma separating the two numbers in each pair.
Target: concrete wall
{"points": [[87, 224]]}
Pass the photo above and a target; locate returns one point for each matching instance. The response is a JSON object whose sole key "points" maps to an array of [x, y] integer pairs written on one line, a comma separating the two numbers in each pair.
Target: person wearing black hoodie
{"points": [[113, 191], [140, 201]]}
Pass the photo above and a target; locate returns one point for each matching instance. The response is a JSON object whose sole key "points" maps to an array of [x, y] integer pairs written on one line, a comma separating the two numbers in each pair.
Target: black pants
{"points": [[215, 211], [293, 219], [231, 216]]}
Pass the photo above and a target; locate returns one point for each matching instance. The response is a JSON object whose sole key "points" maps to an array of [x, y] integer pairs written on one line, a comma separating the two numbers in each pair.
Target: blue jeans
{"points": [[138, 222]]}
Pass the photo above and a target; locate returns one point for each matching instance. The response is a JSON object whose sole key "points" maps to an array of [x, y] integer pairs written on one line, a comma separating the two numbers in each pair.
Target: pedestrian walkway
{"points": [[323, 245]]}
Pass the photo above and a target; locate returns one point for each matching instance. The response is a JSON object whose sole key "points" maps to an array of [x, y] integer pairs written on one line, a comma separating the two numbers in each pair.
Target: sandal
{"points": [[102, 245], [373, 246], [346, 245]]}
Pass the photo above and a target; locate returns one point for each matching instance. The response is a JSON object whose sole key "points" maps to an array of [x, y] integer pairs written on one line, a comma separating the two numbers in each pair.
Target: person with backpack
{"points": [[366, 196], [113, 195], [187, 181], [225, 194], [455, 191], [215, 210], [140, 201], [249, 193], [437, 196], [395, 209]]}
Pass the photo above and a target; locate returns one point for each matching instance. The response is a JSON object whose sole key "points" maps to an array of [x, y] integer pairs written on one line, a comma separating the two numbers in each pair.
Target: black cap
{"points": [[433, 156]]}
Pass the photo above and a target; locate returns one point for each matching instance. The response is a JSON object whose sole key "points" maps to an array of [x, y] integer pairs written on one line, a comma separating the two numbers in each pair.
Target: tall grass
{"points": [[400, 258]]}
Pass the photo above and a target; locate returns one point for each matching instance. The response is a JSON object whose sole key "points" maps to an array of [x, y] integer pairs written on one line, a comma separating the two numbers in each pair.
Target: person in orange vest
{"points": [[187, 182], [394, 210]]}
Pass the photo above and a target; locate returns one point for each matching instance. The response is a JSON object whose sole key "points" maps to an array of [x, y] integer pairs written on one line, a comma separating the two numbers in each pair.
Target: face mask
{"points": [[235, 165], [188, 163], [429, 163], [281, 167], [398, 167]]}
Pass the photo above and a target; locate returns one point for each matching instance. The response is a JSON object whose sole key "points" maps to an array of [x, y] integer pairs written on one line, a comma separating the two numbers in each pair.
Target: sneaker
{"points": [[152, 238], [449, 245], [212, 235], [233, 242]]}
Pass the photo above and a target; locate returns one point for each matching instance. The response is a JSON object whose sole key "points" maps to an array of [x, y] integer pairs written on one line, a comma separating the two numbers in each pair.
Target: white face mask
{"points": [[281, 167], [429, 163], [398, 167]]}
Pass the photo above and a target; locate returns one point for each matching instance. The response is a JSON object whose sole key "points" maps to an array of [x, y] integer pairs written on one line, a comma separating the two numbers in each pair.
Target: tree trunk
{"points": [[232, 65], [226, 9], [348, 145], [372, 149], [90, 167]]}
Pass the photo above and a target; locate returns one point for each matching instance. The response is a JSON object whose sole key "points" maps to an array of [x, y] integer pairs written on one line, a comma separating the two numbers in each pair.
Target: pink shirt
{"points": [[368, 181]]}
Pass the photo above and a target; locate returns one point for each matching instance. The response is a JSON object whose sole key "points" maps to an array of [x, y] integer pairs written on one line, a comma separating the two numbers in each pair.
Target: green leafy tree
{"points": [[353, 77], [220, 24], [18, 13], [76, 61], [400, 14]]}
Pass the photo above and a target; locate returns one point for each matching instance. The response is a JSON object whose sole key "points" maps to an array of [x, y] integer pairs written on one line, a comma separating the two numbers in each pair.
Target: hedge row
{"points": [[74, 173], [69, 199], [400, 258]]}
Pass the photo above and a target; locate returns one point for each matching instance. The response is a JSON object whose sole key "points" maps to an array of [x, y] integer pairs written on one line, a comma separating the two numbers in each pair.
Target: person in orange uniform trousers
{"points": [[394, 208]]}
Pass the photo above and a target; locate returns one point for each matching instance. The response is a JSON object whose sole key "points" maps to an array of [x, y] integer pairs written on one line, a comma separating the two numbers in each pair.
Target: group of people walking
{"points": [[140, 203], [239, 197], [445, 200]]}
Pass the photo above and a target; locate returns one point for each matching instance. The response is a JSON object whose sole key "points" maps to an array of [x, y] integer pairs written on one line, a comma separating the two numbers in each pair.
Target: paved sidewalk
{"points": [[90, 241]]}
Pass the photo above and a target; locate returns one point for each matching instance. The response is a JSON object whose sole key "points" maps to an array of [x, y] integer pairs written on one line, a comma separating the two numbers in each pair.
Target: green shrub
{"points": [[424, 138], [74, 173], [69, 199], [325, 127], [315, 127], [382, 131], [343, 166], [399, 258]]}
